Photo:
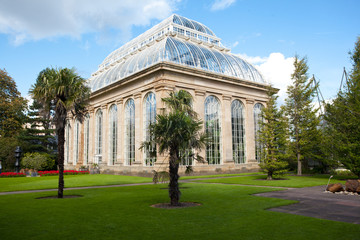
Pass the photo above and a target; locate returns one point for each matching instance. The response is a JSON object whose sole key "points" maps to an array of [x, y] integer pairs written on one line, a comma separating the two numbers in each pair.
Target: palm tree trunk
{"points": [[61, 141], [174, 192]]}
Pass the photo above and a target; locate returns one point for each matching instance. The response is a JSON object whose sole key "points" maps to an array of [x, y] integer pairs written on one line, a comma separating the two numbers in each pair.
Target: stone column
{"points": [[249, 132], [199, 103], [105, 139], [226, 134], [138, 129], [92, 128], [120, 132]]}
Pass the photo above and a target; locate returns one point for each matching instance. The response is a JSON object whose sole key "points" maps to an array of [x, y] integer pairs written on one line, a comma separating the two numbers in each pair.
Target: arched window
{"points": [[149, 117], [67, 141], [129, 132], [238, 131], [257, 118], [86, 138], [212, 128], [76, 141], [112, 134], [98, 136]]}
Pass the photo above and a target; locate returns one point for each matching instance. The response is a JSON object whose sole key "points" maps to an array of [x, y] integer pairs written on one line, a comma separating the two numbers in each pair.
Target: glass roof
{"points": [[180, 50], [192, 24]]}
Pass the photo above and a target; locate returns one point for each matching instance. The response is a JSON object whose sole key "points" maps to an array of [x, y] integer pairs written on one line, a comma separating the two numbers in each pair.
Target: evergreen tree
{"points": [[273, 135], [12, 106], [304, 132], [343, 119], [38, 134]]}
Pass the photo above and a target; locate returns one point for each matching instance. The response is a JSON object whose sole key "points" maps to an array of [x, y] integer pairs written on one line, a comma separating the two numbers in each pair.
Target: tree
{"points": [[177, 133], [302, 116], [12, 106], [66, 92], [273, 136], [38, 134], [343, 119]]}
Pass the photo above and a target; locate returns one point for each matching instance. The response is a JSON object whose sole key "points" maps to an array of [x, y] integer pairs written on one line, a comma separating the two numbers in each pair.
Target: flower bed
{"points": [[66, 172], [12, 174]]}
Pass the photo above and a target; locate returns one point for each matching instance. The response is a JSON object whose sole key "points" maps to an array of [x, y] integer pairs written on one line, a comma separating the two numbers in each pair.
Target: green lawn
{"points": [[289, 181], [220, 175], [49, 182], [227, 212]]}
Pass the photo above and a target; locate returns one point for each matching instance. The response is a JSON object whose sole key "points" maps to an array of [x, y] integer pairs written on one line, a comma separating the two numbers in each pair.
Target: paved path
{"points": [[314, 202]]}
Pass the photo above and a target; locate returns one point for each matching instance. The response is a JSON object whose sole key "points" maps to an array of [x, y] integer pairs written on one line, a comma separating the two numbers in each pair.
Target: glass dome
{"points": [[173, 46]]}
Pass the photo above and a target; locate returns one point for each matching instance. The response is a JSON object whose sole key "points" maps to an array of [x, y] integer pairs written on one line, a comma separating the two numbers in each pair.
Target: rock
{"points": [[352, 185], [336, 187]]}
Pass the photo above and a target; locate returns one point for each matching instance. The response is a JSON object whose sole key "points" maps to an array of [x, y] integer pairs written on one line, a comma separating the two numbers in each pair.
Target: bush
{"points": [[66, 172], [11, 174], [37, 161]]}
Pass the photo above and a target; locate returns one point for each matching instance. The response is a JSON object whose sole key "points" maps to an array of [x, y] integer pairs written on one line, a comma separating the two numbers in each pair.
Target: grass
{"points": [[289, 181], [220, 175], [50, 182], [227, 212]]}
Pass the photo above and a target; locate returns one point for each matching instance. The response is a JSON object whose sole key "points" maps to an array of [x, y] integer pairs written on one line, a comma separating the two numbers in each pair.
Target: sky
{"points": [[38, 34]]}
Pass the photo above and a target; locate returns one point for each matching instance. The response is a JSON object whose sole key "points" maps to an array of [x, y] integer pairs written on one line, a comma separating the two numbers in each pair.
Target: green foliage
{"points": [[37, 161], [343, 120], [12, 106], [7, 152], [38, 135], [160, 177], [304, 132], [273, 135]]}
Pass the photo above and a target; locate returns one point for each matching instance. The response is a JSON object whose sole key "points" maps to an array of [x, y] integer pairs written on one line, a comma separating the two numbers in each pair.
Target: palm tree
{"points": [[64, 91], [177, 133]]}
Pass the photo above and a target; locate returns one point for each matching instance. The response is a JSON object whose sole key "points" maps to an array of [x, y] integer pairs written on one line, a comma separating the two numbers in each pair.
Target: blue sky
{"points": [[81, 33]]}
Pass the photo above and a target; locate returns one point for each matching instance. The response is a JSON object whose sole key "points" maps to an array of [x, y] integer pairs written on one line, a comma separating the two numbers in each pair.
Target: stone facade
{"points": [[124, 75]]}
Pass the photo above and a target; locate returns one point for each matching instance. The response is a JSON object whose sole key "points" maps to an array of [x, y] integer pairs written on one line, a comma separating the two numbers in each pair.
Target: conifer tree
{"points": [[38, 134], [304, 132], [343, 119], [273, 136]]}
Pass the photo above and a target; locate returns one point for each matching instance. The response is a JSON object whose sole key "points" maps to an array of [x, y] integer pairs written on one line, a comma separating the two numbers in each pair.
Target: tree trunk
{"points": [[174, 192], [269, 176], [61, 141], [299, 172]]}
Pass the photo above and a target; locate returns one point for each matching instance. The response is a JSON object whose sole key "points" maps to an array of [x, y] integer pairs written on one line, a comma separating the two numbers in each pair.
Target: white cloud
{"points": [[39, 19], [276, 69], [221, 4]]}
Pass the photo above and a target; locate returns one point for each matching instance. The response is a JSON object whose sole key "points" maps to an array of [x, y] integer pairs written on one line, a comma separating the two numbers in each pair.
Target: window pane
{"points": [[149, 117], [129, 132], [212, 127], [238, 131]]}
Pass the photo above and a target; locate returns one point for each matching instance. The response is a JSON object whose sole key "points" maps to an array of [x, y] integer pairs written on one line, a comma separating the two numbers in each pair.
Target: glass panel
{"points": [[257, 118], [184, 53], [238, 131], [129, 132], [149, 117], [212, 128]]}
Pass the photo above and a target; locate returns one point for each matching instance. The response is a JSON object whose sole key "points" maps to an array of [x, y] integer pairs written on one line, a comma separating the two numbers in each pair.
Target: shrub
{"points": [[37, 161], [11, 174], [66, 172]]}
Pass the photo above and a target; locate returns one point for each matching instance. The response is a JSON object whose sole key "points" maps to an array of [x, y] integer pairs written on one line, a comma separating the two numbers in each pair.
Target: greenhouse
{"points": [[176, 54]]}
